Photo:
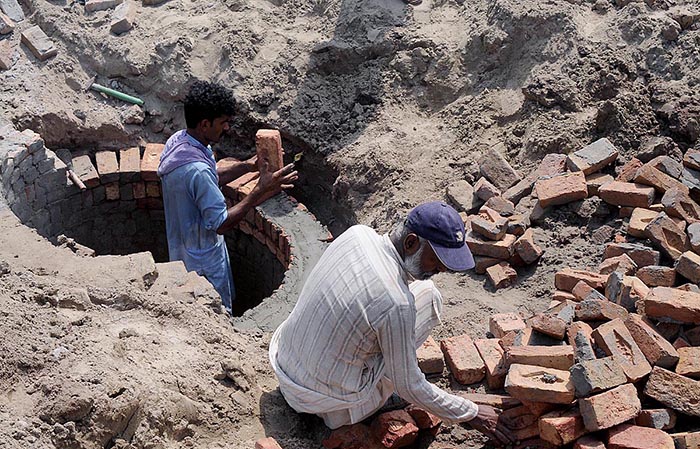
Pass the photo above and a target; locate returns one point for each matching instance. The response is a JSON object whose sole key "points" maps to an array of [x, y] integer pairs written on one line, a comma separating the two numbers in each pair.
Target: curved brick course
{"points": [[121, 211]]}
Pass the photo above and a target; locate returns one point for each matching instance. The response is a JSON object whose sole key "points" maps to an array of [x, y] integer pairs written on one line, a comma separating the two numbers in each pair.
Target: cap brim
{"points": [[455, 259]]}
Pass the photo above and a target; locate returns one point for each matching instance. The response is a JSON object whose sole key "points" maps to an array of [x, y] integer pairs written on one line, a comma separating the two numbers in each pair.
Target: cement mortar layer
{"points": [[36, 188]]}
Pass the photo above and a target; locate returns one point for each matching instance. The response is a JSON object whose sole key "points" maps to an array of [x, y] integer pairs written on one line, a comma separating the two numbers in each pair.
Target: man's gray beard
{"points": [[412, 263]]}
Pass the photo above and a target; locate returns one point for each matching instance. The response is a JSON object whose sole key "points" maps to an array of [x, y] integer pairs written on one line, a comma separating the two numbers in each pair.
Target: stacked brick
{"points": [[120, 186], [587, 371], [498, 236]]}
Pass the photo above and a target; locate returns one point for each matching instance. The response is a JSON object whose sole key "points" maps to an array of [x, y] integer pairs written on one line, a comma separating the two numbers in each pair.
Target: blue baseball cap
{"points": [[443, 228]]}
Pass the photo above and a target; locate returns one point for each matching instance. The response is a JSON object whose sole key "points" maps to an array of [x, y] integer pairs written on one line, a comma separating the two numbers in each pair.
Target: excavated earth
{"points": [[389, 103]]}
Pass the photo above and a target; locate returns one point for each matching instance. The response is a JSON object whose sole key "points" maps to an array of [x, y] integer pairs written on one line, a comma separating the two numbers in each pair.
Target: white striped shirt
{"points": [[353, 327]]}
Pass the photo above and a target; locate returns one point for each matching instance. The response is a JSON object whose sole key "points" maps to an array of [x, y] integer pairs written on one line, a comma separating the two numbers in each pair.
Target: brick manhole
{"points": [[117, 209]]}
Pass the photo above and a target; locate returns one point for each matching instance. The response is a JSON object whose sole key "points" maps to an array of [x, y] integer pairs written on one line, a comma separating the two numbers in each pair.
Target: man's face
{"points": [[421, 261], [215, 129]]}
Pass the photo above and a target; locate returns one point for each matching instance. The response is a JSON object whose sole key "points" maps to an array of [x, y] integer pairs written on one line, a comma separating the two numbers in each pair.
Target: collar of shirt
{"points": [[394, 254]]}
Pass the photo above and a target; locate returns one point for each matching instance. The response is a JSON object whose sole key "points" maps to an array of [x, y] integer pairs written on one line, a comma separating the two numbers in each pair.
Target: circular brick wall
{"points": [[120, 211]]}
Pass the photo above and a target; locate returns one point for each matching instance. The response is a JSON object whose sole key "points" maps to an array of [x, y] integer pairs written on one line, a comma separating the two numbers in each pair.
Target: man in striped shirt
{"points": [[351, 340]]}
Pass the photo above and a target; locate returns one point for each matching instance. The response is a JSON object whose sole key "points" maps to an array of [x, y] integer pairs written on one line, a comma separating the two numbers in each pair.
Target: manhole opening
{"points": [[120, 210]]}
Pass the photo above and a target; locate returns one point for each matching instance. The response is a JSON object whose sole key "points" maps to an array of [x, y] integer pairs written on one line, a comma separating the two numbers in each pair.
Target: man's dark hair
{"points": [[207, 101]]}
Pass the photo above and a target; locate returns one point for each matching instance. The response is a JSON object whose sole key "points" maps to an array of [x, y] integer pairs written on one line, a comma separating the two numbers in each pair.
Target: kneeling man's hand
{"points": [[489, 422]]}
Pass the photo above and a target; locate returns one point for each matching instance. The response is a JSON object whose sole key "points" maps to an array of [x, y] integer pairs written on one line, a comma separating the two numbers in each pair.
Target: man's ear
{"points": [[411, 244]]}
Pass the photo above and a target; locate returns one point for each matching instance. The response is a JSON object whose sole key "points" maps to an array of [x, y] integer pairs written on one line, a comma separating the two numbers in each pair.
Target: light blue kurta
{"points": [[194, 210]]}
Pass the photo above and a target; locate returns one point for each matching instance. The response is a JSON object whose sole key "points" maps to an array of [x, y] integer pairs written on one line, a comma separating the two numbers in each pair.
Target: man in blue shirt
{"points": [[196, 214]]}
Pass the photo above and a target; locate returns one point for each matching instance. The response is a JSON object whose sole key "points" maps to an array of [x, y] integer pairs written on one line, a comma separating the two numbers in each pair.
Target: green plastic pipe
{"points": [[116, 94]]}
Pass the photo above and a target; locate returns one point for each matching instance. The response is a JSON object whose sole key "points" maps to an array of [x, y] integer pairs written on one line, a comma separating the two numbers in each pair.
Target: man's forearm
{"points": [[229, 169], [240, 209]]}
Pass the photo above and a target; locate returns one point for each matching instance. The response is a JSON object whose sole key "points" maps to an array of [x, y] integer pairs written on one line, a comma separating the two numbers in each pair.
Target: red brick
{"points": [[667, 236], [139, 189], [561, 189], [268, 144], [627, 172], [654, 177], [549, 325], [686, 440], [239, 182], [501, 401], [583, 291], [557, 357], [659, 418], [615, 339], [502, 323], [150, 161], [7, 51], [589, 442], [501, 249], [639, 220], [463, 359], [7, 25], [153, 190], [112, 191], [429, 357], [551, 164], [267, 443], [627, 436], [664, 303], [461, 194], [597, 310], [673, 390], [39, 43], [560, 295], [501, 205], [579, 335], [688, 266], [82, 166], [596, 375], [689, 362], [107, 166], [356, 436], [657, 350], [538, 384], [496, 169], [129, 164], [640, 254], [561, 427], [610, 408], [593, 157], [678, 203], [540, 408], [631, 290], [395, 429], [622, 263], [501, 275], [523, 423], [567, 278], [526, 247], [423, 419], [493, 356], [595, 181], [492, 230], [485, 190], [657, 276], [626, 194], [481, 263]]}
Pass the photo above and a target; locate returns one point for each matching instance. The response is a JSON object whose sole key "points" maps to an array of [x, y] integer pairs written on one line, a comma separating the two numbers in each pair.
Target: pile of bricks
{"points": [[615, 360], [499, 233]]}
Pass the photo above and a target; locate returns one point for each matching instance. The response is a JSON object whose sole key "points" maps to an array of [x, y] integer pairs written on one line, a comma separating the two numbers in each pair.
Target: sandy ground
{"points": [[389, 104]]}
